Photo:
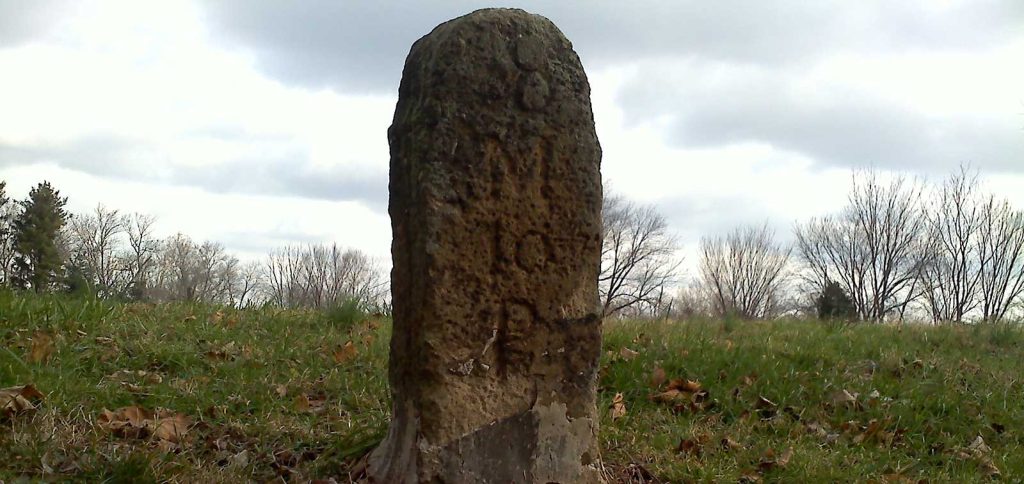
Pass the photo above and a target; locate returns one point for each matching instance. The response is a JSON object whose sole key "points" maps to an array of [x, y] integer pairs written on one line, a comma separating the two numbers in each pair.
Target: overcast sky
{"points": [[259, 124]]}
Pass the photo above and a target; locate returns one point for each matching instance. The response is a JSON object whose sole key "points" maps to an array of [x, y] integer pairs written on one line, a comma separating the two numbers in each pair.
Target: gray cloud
{"points": [[836, 127], [283, 171], [21, 21], [360, 46]]}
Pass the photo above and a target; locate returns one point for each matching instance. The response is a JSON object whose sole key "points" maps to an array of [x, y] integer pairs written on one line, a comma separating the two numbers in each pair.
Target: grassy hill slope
{"points": [[137, 392]]}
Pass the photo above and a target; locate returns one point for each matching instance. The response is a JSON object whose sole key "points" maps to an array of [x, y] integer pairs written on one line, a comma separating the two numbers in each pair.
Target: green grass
{"points": [[272, 393]]}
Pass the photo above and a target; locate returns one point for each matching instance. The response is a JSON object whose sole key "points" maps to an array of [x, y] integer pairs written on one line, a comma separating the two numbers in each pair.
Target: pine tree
{"points": [[834, 303], [38, 260]]}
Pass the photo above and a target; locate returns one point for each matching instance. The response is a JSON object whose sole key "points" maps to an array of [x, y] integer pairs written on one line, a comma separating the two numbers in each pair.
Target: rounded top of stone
{"points": [[506, 19]]}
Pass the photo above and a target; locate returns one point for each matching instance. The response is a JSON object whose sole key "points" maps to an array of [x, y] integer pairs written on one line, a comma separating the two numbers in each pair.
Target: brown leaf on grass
{"points": [[216, 317], [843, 398], [783, 459], [20, 399], [172, 428], [873, 428], [979, 447], [228, 352], [310, 404], [240, 459], [669, 396], [766, 409], [729, 444], [749, 379], [627, 354], [749, 477], [770, 461], [135, 422], [42, 348], [281, 390], [657, 377], [126, 422], [618, 406], [302, 403], [684, 385], [345, 353], [690, 447], [979, 451]]}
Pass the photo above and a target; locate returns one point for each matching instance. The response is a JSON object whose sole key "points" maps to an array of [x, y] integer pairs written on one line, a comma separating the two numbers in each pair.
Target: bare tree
{"points": [[283, 269], [7, 212], [637, 256], [187, 271], [744, 272], [692, 300], [874, 248], [1001, 254], [319, 276], [951, 275], [246, 283], [142, 252], [94, 241]]}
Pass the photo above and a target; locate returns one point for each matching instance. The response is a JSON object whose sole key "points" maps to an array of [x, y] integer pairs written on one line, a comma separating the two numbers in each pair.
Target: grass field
{"points": [[183, 393]]}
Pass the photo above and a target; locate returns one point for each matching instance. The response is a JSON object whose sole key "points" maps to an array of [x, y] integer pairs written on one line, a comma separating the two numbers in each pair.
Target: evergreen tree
{"points": [[834, 303], [38, 260]]}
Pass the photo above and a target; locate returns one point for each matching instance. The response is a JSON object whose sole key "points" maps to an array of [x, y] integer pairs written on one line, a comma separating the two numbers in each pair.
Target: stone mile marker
{"points": [[495, 203]]}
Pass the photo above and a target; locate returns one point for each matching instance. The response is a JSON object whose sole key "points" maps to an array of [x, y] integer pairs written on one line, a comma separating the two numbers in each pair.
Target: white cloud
{"points": [[234, 122]]}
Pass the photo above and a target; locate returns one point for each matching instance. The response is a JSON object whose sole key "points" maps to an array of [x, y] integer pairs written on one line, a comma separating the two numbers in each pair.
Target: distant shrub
{"points": [[345, 314], [834, 304]]}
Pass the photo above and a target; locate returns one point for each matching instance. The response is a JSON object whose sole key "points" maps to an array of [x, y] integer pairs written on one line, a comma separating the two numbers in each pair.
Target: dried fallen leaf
{"points": [[345, 353], [783, 459], [168, 428], [228, 352], [770, 461], [618, 406], [749, 477], [766, 409], [172, 428], [281, 390], [873, 428], [684, 385], [310, 404], [627, 354], [302, 403], [844, 398], [127, 422], [729, 444], [689, 447], [42, 348], [979, 447], [240, 459], [15, 400], [669, 396], [657, 377]]}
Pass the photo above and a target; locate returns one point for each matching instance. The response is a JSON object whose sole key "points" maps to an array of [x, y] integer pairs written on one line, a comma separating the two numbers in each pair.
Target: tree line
{"points": [[900, 248], [109, 254]]}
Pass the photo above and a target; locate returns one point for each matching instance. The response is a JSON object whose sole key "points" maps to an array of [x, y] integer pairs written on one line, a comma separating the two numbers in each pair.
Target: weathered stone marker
{"points": [[495, 211]]}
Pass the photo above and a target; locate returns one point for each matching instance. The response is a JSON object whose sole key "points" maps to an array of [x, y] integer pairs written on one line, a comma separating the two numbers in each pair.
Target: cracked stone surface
{"points": [[495, 201]]}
